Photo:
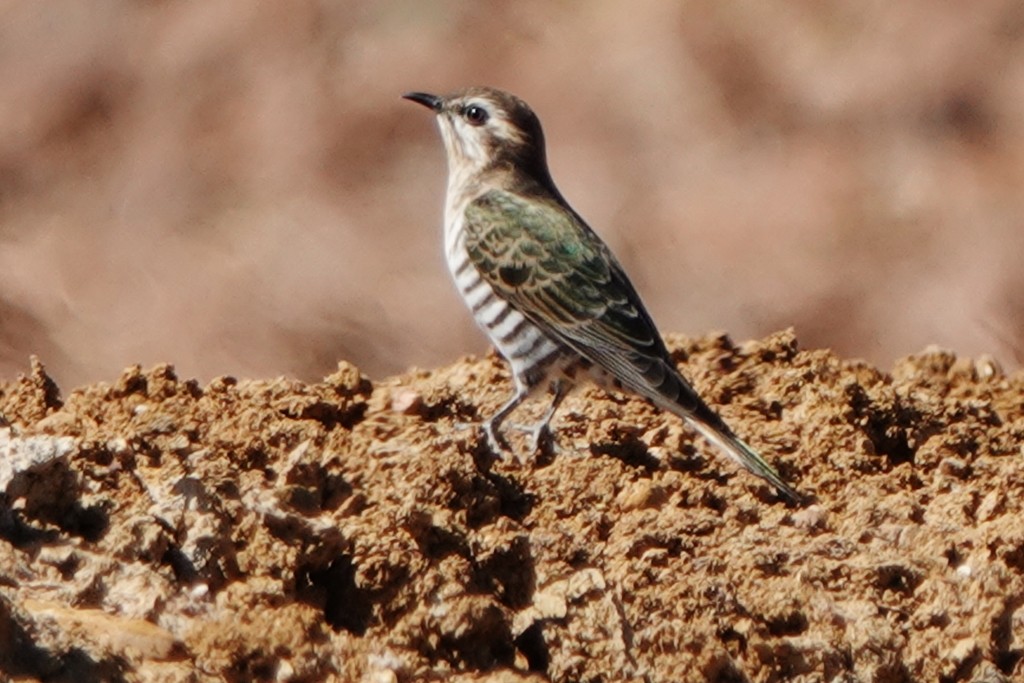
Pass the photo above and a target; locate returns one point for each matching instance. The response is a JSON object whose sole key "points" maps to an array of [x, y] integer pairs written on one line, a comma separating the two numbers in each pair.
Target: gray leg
{"points": [[541, 431], [492, 425]]}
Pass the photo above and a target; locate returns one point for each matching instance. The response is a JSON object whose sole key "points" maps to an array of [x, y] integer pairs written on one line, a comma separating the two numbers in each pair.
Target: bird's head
{"points": [[488, 130]]}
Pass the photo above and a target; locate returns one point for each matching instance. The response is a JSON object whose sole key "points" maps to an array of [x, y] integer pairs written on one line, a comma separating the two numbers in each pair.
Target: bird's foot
{"points": [[496, 441], [540, 437]]}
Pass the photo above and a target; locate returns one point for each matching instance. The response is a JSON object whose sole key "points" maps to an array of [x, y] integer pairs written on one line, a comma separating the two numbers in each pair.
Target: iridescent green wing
{"points": [[541, 258]]}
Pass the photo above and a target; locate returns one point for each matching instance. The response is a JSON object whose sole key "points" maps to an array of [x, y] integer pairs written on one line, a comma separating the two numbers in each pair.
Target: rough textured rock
{"points": [[157, 530]]}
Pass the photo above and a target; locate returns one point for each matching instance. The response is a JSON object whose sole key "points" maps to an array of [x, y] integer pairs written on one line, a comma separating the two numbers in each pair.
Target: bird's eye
{"points": [[475, 114]]}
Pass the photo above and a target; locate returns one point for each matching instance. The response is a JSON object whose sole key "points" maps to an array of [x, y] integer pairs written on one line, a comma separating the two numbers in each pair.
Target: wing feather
{"points": [[541, 258]]}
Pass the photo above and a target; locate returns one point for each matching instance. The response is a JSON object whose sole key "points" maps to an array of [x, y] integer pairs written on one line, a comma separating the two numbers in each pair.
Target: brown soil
{"points": [[156, 529]]}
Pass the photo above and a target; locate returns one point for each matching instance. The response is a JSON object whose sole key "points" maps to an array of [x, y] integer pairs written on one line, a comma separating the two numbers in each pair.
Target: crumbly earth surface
{"points": [[154, 529]]}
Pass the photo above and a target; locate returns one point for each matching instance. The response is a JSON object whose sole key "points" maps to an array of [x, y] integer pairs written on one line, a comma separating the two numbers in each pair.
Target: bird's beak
{"points": [[431, 101]]}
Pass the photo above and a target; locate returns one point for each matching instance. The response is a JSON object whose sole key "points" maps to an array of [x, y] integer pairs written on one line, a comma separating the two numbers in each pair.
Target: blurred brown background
{"points": [[237, 188]]}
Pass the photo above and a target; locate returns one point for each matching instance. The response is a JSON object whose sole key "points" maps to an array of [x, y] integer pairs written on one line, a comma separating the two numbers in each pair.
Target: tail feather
{"points": [[670, 391], [746, 456]]}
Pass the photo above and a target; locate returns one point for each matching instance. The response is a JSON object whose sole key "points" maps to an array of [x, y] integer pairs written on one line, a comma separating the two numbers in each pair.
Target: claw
{"points": [[541, 437], [496, 442], [495, 439], [539, 434]]}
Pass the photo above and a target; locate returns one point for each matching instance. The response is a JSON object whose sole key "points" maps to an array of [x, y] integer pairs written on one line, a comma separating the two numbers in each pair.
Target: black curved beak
{"points": [[430, 101]]}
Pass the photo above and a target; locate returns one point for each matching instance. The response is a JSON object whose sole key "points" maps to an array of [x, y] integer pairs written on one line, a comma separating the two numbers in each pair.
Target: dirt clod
{"points": [[156, 529]]}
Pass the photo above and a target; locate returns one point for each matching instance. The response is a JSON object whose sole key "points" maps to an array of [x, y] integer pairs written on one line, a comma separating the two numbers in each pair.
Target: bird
{"points": [[543, 286]]}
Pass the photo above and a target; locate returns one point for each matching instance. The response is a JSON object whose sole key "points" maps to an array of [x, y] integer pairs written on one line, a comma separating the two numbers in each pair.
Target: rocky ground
{"points": [[154, 529]]}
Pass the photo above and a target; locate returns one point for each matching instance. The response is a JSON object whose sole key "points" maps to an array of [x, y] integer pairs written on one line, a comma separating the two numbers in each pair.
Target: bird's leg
{"points": [[492, 425], [540, 432]]}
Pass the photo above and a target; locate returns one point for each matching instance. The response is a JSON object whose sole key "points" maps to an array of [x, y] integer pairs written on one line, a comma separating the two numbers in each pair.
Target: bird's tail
{"points": [[742, 453], [670, 391]]}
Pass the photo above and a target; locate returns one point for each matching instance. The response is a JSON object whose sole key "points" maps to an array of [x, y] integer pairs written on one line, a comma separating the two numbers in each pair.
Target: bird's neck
{"points": [[533, 182]]}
